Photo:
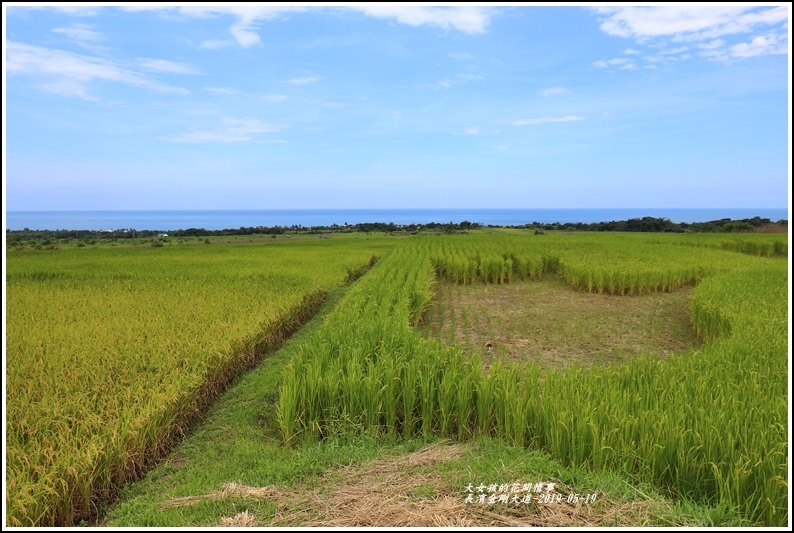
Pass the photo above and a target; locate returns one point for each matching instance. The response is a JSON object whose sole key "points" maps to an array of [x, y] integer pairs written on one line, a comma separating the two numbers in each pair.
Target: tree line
{"points": [[645, 224], [663, 225]]}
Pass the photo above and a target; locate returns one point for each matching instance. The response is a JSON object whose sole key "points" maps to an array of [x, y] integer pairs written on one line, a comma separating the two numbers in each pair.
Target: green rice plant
{"points": [[448, 396], [486, 395], [464, 406], [507, 270], [392, 394], [373, 390], [409, 396], [428, 394], [511, 410]]}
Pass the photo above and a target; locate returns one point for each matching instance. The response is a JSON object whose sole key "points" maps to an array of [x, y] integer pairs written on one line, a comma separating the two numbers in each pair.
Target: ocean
{"points": [[229, 219]]}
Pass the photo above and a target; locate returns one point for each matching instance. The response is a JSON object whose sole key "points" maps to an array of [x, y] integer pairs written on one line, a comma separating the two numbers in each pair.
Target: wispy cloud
{"points": [[688, 22], [303, 80], [704, 25], [472, 130], [274, 97], [463, 57], [707, 23], [78, 11], [761, 45], [672, 54], [244, 29], [83, 33], [467, 19], [545, 120], [216, 44], [231, 130], [441, 84], [69, 74], [221, 90], [249, 17], [553, 91], [164, 65], [621, 63]]}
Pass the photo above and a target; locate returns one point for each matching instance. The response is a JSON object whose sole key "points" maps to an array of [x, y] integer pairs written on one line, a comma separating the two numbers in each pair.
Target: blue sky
{"points": [[273, 107]]}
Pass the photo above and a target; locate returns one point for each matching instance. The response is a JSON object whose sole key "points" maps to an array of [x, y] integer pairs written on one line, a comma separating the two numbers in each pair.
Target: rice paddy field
{"points": [[709, 423], [111, 353]]}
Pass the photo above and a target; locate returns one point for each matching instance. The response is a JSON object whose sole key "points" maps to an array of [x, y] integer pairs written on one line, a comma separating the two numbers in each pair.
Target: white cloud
{"points": [[621, 63], [688, 22], [78, 11], [244, 29], [553, 91], [463, 57], [274, 97], [717, 43], [244, 33], [468, 19], [672, 54], [761, 45], [215, 44], [441, 84], [768, 44], [472, 130], [674, 51], [66, 87], [221, 90], [80, 33], [69, 74], [164, 65], [702, 24], [248, 17], [231, 130], [545, 120], [304, 80]]}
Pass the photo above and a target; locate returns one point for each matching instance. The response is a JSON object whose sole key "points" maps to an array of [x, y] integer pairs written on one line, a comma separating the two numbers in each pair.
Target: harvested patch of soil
{"points": [[402, 491], [549, 323]]}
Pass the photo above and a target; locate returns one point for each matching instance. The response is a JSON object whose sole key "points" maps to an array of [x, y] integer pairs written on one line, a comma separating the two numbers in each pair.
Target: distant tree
{"points": [[738, 227]]}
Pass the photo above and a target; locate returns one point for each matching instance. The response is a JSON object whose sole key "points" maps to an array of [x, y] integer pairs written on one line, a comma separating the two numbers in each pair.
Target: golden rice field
{"points": [[111, 352]]}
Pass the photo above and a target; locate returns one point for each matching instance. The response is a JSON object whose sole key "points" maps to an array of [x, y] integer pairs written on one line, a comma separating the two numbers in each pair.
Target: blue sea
{"points": [[228, 219]]}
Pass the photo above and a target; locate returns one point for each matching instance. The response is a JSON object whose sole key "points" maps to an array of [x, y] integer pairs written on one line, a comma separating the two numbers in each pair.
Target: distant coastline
{"points": [[224, 219]]}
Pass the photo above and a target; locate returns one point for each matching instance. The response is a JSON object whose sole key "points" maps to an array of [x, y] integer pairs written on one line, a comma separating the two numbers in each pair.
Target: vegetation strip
{"points": [[51, 239], [425, 488]]}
